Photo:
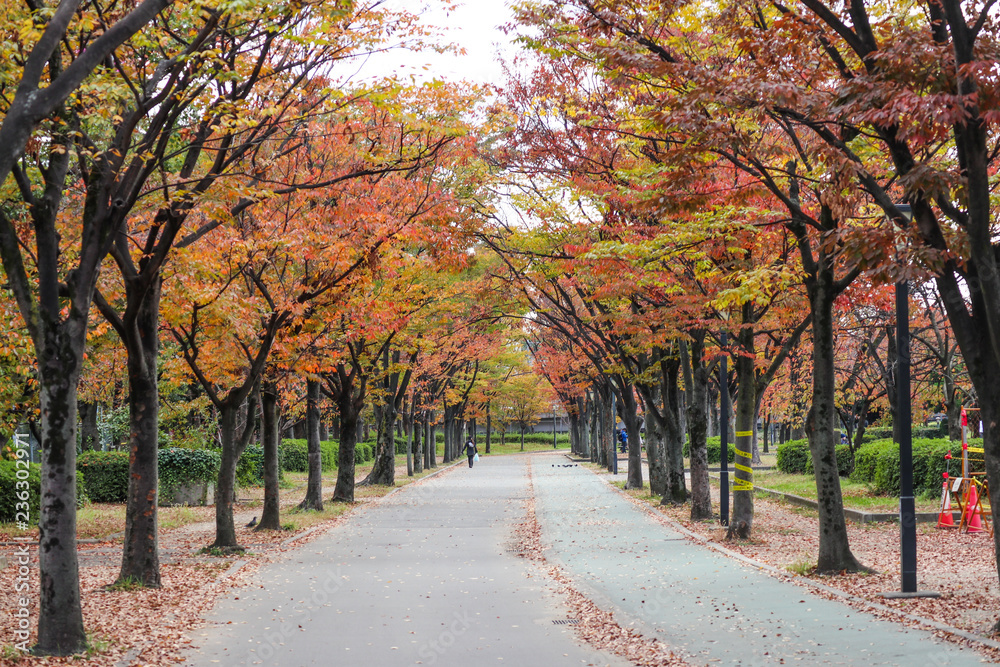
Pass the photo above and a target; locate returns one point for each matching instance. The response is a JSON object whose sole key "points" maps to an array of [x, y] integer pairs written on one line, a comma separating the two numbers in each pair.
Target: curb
{"points": [[805, 581]]}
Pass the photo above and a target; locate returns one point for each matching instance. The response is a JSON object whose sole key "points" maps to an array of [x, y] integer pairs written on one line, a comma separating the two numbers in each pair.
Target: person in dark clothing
{"points": [[470, 450], [623, 439]]}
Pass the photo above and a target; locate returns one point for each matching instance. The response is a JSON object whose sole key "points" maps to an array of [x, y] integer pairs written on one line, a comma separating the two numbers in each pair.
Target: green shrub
{"points": [[178, 466], [794, 457], [845, 460], [877, 465], [714, 446], [513, 436], [886, 481], [187, 438], [917, 432], [10, 474], [295, 454], [715, 450], [250, 467], [929, 432], [866, 459], [364, 451], [105, 475]]}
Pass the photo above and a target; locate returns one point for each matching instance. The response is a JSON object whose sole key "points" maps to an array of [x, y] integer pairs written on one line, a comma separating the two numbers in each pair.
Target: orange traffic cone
{"points": [[945, 519], [973, 510]]}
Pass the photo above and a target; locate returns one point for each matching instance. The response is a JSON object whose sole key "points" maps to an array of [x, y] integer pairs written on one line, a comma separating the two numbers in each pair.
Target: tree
{"points": [[701, 98], [54, 290]]}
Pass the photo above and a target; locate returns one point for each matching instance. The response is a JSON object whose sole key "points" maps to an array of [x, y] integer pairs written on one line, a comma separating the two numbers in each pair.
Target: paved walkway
{"points": [[714, 609], [424, 576]]}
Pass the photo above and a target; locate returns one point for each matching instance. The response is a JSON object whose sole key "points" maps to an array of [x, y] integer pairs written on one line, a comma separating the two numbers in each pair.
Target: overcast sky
{"points": [[473, 25]]}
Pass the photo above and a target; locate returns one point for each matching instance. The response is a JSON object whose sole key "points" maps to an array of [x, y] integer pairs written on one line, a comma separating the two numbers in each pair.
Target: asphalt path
{"points": [[427, 575]]}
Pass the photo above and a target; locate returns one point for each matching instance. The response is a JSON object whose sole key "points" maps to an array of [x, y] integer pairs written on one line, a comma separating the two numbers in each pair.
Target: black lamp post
{"points": [[907, 510]]}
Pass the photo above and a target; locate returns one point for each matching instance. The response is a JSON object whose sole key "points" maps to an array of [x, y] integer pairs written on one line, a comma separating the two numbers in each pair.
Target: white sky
{"points": [[473, 25]]}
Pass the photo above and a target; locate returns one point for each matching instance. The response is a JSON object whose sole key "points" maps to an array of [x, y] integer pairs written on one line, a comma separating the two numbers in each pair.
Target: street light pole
{"points": [[907, 510]]}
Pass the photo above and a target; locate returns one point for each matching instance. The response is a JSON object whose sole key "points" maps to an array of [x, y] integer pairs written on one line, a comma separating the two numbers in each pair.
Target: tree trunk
{"points": [[889, 378], [314, 486], [344, 491], [741, 521], [394, 385], [712, 395], [608, 443], [489, 427], [953, 406], [655, 450], [595, 428], [60, 618], [629, 413], [430, 443], [90, 436], [672, 428], [233, 445], [834, 549], [794, 426], [140, 551], [449, 420], [408, 434], [419, 446], [270, 518], [384, 470], [701, 495]]}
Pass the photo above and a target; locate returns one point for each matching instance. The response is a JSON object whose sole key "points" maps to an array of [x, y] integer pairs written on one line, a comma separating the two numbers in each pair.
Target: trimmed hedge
{"points": [[178, 465], [512, 436], [250, 467], [877, 464], [794, 457], [31, 492], [9, 492], [295, 454], [845, 460], [105, 475], [714, 446], [917, 432]]}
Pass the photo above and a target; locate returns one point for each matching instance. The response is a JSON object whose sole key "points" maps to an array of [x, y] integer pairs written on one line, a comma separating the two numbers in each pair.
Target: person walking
{"points": [[471, 451]]}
